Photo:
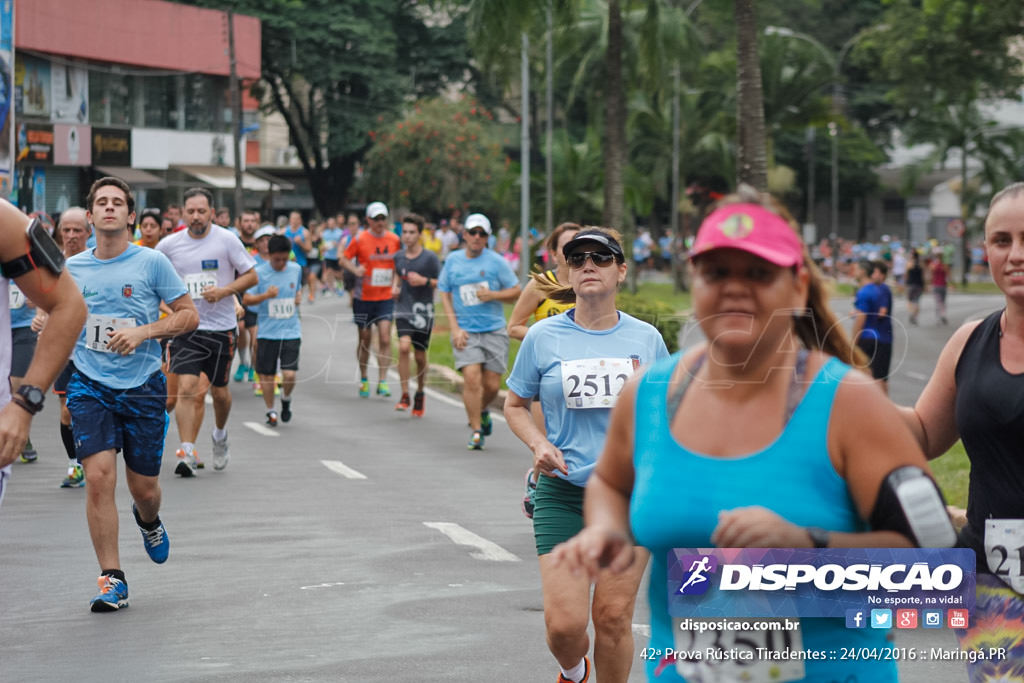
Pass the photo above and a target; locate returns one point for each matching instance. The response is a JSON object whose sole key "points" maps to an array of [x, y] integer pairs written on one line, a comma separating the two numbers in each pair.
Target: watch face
{"points": [[33, 395]]}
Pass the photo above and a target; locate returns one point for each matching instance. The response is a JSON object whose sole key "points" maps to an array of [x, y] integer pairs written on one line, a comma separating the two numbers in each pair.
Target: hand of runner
{"points": [[484, 295], [126, 340], [215, 294], [272, 291], [416, 279], [39, 322], [14, 425], [360, 271], [547, 459], [460, 338], [594, 549], [757, 527]]}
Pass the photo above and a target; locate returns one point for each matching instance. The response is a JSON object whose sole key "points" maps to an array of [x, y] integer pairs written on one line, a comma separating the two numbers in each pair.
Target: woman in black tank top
{"points": [[976, 394]]}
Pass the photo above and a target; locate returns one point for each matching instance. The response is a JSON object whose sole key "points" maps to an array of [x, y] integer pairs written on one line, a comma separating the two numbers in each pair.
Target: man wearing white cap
{"points": [[372, 302], [473, 284]]}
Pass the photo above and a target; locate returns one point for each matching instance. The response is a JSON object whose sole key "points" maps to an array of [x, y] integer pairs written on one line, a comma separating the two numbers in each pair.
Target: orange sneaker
{"points": [[586, 674], [417, 404], [403, 403]]}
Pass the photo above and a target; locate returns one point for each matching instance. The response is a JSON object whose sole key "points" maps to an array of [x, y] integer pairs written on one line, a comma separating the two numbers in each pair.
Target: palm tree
{"points": [[751, 160]]}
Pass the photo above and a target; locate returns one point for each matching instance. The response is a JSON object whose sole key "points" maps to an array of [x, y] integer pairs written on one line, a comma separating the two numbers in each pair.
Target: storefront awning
{"points": [[133, 176], [223, 178]]}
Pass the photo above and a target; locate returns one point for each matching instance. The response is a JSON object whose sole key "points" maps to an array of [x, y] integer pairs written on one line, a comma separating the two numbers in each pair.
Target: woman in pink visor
{"points": [[762, 436]]}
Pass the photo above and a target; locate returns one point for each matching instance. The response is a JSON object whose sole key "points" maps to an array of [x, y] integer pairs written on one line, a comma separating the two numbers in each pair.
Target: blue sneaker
{"points": [[486, 425], [476, 441], [241, 373], [113, 595], [156, 541]]}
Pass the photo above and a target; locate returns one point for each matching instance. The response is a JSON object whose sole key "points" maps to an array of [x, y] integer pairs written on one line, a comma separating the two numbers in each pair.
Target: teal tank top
{"points": [[678, 493]]}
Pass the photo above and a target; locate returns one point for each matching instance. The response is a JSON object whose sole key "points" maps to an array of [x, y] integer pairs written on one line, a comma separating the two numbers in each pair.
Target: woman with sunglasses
{"points": [[732, 444], [576, 363], [536, 303]]}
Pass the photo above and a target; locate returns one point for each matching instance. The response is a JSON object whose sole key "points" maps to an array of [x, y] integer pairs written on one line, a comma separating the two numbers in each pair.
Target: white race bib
{"points": [[381, 277], [15, 297], [468, 293], [594, 382], [703, 669], [1004, 550], [197, 282], [282, 308], [329, 246], [98, 329]]}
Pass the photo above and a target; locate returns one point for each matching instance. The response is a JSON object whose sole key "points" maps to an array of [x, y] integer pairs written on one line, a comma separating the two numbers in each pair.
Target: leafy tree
{"points": [[443, 155], [751, 144], [332, 68], [943, 58]]}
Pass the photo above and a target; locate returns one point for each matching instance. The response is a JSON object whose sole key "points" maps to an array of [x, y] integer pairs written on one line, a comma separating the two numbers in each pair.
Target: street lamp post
{"points": [[835, 61]]}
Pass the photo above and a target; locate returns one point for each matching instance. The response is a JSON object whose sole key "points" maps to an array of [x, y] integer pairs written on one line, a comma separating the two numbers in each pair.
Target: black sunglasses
{"points": [[477, 232], [601, 259]]}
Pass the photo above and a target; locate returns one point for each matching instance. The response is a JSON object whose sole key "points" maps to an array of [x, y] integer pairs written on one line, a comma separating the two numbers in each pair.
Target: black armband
{"points": [[910, 503]]}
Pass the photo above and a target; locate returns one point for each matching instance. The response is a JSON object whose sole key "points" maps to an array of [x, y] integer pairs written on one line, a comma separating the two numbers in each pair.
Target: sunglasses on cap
{"points": [[477, 232], [379, 217], [601, 259]]}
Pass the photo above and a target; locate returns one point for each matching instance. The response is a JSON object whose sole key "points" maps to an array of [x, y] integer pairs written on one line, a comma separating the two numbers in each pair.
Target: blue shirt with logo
{"points": [[461, 275], [130, 285], [288, 282], [579, 432]]}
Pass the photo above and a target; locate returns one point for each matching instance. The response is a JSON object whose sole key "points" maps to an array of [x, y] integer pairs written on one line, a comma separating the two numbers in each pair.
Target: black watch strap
{"points": [[819, 537], [16, 267], [25, 405]]}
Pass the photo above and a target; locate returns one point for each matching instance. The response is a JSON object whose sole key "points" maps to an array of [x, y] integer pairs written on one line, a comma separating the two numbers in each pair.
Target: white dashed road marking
{"points": [[344, 470], [486, 549], [260, 429]]}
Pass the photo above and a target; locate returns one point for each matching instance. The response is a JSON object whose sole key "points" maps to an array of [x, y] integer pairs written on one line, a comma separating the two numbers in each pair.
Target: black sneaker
{"points": [[272, 418], [286, 411]]}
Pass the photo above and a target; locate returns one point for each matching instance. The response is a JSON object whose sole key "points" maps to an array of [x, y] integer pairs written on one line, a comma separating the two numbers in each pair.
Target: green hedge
{"points": [[658, 313]]}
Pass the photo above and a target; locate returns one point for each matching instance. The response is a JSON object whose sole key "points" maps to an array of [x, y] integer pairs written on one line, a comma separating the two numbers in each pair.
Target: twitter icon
{"points": [[881, 618]]}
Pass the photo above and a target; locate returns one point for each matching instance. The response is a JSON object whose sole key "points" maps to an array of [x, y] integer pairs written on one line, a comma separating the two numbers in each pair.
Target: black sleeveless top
{"points": [[990, 419]]}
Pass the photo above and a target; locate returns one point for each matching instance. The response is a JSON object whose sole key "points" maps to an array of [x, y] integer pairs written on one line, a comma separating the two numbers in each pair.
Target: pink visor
{"points": [[753, 229]]}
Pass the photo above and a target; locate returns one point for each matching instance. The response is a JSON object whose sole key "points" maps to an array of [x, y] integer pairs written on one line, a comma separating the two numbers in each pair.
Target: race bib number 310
{"points": [[98, 329], [282, 308], [594, 382]]}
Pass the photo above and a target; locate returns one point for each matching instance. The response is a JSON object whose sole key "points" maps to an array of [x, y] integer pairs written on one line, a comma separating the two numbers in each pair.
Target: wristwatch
{"points": [[30, 398], [819, 537]]}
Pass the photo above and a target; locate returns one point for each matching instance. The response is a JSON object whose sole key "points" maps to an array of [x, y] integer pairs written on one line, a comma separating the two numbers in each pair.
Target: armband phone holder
{"points": [[42, 252]]}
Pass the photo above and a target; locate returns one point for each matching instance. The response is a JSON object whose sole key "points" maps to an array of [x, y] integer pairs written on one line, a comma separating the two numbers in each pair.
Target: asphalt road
{"points": [[353, 544]]}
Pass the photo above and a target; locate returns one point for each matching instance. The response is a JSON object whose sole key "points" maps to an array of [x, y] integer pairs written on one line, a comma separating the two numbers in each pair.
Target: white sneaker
{"points": [[186, 463], [221, 454]]}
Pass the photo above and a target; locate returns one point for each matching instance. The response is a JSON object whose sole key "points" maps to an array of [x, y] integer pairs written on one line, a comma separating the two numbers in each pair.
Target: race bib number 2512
{"points": [[594, 382]]}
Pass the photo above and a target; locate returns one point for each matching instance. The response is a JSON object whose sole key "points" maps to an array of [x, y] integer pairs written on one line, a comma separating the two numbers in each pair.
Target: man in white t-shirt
{"points": [[215, 266]]}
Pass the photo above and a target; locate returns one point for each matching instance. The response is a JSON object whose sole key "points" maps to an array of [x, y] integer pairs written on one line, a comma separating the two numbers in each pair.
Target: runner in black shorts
{"points": [[416, 273]]}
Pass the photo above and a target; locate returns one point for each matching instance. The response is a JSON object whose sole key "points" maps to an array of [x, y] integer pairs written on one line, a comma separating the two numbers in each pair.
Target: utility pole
{"points": [[524, 179], [236, 117], [549, 145]]}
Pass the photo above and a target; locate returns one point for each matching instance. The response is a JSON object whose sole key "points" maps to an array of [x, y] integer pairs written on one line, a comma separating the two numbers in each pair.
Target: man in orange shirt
{"points": [[372, 303]]}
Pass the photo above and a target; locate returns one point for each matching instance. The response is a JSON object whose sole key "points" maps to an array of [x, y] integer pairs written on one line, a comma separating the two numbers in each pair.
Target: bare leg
{"points": [[222, 405], [101, 507], [383, 348], [404, 347], [421, 369], [472, 393]]}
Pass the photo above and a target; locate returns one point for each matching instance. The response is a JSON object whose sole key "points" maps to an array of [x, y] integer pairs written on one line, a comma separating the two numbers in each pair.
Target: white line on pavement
{"points": [[643, 630], [260, 429], [460, 536], [344, 470], [916, 375], [322, 585]]}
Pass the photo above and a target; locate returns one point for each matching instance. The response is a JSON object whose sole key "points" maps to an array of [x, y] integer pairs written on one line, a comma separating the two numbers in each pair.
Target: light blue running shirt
{"points": [[462, 276], [21, 313], [334, 237], [130, 285], [269, 312], [598, 362]]}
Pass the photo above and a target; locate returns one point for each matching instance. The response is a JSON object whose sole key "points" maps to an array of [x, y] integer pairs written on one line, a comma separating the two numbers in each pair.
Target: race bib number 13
{"points": [[468, 293], [594, 382], [98, 329]]}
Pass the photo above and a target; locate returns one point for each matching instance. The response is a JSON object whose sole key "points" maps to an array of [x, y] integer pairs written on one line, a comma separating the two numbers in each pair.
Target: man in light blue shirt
{"points": [[474, 283], [117, 393], [277, 297]]}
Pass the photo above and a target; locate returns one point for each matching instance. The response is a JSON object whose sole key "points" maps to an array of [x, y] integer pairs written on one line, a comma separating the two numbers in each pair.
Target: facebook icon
{"points": [[855, 618]]}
